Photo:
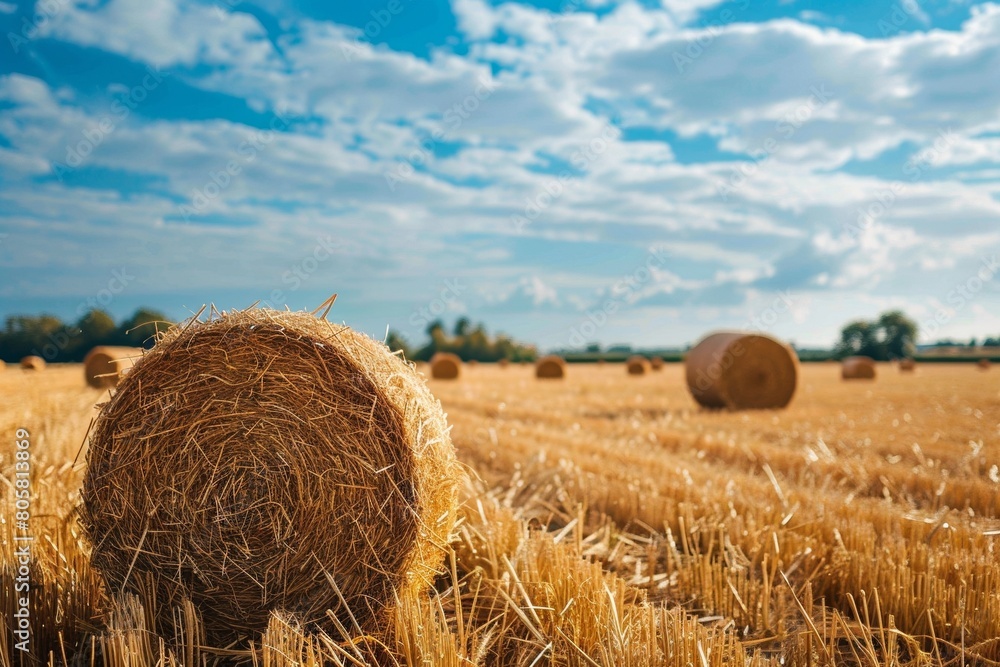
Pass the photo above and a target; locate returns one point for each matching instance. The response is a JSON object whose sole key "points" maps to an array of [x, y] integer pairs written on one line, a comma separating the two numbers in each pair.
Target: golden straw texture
{"points": [[857, 368], [270, 461], [550, 367], [104, 365], [33, 363], [445, 366], [638, 365], [737, 370]]}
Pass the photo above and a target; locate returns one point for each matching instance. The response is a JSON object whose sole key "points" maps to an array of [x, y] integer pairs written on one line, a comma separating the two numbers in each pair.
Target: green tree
{"points": [[95, 327], [891, 336], [898, 334], [46, 336], [141, 328], [395, 342]]}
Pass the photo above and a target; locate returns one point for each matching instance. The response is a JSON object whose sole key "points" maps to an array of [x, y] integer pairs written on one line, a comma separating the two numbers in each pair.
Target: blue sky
{"points": [[566, 170]]}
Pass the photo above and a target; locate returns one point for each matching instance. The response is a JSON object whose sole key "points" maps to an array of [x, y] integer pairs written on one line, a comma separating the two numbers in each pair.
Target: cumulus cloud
{"points": [[406, 158]]}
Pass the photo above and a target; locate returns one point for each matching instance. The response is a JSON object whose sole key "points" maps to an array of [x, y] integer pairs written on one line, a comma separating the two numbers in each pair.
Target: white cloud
{"points": [[475, 18], [163, 33], [563, 78]]}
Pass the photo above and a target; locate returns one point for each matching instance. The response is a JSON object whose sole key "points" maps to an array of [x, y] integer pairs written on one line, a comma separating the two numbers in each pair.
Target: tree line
{"points": [[468, 341], [49, 337], [56, 341], [890, 336]]}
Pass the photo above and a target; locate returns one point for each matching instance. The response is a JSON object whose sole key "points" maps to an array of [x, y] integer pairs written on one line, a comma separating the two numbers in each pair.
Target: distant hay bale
{"points": [[738, 370], [857, 368], [445, 366], [638, 365], [550, 367], [472, 362], [983, 364], [601, 362], [656, 363], [104, 365], [907, 365], [270, 461], [33, 363], [503, 363]]}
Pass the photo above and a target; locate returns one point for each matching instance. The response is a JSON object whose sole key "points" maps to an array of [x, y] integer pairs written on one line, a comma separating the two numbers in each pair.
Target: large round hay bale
{"points": [[907, 365], [857, 368], [445, 366], [503, 363], [104, 365], [656, 363], [267, 460], [983, 364], [33, 363], [551, 367], [737, 370], [637, 365]]}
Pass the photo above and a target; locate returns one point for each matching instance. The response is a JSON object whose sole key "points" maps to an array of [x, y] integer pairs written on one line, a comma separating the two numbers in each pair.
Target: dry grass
{"points": [[266, 460], [858, 368], [741, 371], [637, 365], [550, 367], [105, 365], [446, 366], [618, 524], [33, 363]]}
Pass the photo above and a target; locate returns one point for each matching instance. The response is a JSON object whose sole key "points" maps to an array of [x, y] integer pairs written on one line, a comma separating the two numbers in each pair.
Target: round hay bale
{"points": [[104, 365], [472, 362], [33, 363], [550, 367], [857, 368], [638, 365], [503, 363], [983, 364], [907, 365], [601, 362], [656, 363], [445, 366], [738, 370], [270, 461]]}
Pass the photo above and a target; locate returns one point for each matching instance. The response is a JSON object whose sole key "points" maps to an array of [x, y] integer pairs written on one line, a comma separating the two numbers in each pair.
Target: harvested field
{"points": [[615, 522]]}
